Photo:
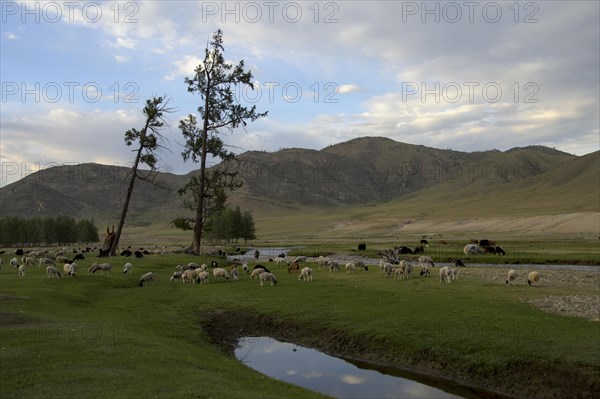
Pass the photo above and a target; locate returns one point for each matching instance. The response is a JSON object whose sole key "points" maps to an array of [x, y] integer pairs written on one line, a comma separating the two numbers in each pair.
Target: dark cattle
{"points": [[457, 262], [403, 250], [419, 250], [489, 250], [138, 254], [262, 267], [126, 253], [424, 242], [256, 254], [500, 250], [103, 253], [484, 243], [79, 257], [362, 247]]}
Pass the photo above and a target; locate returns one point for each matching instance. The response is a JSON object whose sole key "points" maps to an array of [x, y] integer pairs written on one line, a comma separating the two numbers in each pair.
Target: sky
{"points": [[465, 75]]}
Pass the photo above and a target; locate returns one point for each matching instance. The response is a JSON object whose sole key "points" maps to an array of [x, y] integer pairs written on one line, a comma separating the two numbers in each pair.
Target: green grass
{"points": [[103, 336]]}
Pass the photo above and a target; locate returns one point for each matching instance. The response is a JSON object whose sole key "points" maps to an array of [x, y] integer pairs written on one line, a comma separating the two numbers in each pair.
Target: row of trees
{"points": [[46, 230], [215, 81], [231, 225]]}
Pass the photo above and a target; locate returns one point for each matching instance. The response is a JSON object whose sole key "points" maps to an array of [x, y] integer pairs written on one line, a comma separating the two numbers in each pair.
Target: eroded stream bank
{"points": [[225, 327]]}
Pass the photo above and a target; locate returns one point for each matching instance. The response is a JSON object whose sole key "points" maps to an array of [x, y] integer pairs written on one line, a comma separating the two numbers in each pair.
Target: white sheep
{"points": [[305, 274], [350, 267], [322, 262], [70, 269], [446, 274], [203, 276], [511, 277], [300, 259], [425, 261], [127, 267], [280, 261], [333, 265], [220, 273], [46, 261], [103, 267], [533, 278], [408, 268], [388, 268], [14, 262], [150, 276], [268, 277], [52, 271], [245, 268], [189, 276], [471, 249], [256, 273], [21, 270], [29, 261], [192, 265], [234, 272], [398, 273]]}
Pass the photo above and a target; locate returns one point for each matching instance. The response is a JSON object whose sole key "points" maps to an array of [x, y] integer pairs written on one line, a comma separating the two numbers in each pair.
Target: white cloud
{"points": [[10, 36]]}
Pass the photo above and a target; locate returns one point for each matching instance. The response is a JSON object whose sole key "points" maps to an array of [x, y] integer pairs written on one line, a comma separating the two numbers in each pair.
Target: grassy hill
{"points": [[364, 187]]}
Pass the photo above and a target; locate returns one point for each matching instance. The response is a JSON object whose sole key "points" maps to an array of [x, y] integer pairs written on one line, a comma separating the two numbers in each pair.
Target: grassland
{"points": [[103, 336]]}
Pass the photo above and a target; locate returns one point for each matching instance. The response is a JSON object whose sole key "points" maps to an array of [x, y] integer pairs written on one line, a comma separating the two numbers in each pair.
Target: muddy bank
{"points": [[523, 380]]}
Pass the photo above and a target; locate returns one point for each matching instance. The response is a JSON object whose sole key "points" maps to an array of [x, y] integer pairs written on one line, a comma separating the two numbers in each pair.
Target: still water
{"points": [[326, 374]]}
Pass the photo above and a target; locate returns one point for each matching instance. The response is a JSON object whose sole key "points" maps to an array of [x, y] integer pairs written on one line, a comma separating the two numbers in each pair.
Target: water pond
{"points": [[327, 374]]}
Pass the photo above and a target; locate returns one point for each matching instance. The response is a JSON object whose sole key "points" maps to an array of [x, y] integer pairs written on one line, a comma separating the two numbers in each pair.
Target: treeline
{"points": [[231, 225], [46, 230]]}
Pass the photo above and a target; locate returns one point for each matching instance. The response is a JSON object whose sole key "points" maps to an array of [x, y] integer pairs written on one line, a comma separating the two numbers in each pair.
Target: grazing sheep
{"points": [[220, 273], [103, 267], [500, 250], [138, 255], [177, 276], [29, 261], [300, 259], [257, 272], [266, 276], [192, 265], [322, 262], [14, 262], [333, 265], [360, 263], [150, 276], [79, 257], [350, 267], [126, 253], [46, 261], [362, 247], [305, 274], [388, 268], [189, 276], [202, 277], [294, 267], [471, 249], [418, 250], [424, 242], [425, 271], [280, 261], [127, 268], [157, 252], [70, 269], [457, 262], [446, 274], [512, 277], [262, 267], [408, 268], [234, 272], [52, 271], [21, 270], [533, 279], [426, 261], [245, 268]]}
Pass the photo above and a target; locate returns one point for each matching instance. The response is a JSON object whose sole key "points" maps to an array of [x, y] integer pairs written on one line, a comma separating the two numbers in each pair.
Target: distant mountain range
{"points": [[360, 172]]}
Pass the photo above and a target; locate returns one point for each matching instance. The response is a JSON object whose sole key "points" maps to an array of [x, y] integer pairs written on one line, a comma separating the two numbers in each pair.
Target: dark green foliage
{"points": [[215, 81], [48, 230], [231, 225]]}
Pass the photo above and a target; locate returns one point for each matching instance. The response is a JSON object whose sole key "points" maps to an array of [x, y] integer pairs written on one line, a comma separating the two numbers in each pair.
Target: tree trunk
{"points": [[199, 225], [115, 243]]}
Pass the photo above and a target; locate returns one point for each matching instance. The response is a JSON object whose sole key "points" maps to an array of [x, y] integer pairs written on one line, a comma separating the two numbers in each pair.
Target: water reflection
{"points": [[326, 374]]}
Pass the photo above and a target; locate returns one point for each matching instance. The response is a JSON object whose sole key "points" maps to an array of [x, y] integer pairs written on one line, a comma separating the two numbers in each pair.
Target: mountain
{"points": [[368, 174]]}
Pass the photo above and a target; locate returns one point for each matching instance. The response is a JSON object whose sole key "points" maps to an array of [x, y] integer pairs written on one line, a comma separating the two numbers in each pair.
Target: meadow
{"points": [[95, 335]]}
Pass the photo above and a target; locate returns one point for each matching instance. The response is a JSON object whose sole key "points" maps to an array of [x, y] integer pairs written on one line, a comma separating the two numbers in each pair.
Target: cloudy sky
{"points": [[467, 76]]}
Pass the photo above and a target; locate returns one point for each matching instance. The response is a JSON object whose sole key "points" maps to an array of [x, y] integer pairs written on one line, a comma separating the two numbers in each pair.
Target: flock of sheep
{"points": [[194, 273]]}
